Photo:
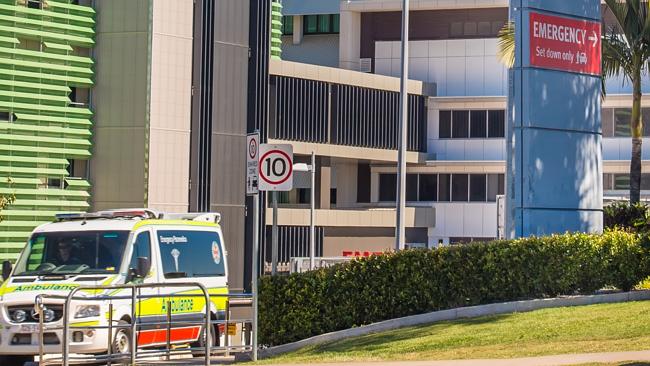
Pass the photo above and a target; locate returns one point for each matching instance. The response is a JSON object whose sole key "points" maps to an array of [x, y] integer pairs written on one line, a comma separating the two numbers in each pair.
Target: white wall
{"points": [[458, 67]]}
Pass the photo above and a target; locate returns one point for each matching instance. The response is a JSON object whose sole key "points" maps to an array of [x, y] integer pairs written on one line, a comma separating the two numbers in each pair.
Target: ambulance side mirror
{"points": [[6, 269], [143, 267]]}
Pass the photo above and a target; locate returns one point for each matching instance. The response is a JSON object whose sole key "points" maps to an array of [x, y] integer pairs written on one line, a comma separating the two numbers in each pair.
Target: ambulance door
{"points": [[148, 310]]}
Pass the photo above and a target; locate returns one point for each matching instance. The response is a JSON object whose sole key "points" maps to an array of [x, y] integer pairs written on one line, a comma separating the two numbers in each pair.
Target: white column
{"points": [[350, 40], [297, 29]]}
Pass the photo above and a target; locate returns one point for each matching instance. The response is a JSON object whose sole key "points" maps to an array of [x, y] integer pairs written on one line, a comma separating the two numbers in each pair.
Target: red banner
{"points": [[565, 44]]}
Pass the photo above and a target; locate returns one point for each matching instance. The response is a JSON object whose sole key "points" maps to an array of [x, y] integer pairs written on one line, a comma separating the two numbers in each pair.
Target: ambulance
{"points": [[133, 246]]}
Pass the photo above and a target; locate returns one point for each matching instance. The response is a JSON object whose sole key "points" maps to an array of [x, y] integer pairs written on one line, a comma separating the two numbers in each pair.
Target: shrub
{"points": [[412, 282], [622, 215]]}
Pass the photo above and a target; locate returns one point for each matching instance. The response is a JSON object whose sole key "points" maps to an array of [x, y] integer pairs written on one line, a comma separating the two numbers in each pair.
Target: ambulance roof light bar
{"points": [[109, 214], [212, 217]]}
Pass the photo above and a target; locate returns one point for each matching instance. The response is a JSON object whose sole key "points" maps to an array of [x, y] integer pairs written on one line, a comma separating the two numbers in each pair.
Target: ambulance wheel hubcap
{"points": [[122, 342]]}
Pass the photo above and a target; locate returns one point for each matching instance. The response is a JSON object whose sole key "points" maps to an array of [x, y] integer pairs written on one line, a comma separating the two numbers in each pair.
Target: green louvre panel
{"points": [[276, 30], [46, 131]]}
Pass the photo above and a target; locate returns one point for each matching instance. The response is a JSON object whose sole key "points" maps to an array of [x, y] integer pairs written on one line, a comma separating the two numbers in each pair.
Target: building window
{"points": [[608, 122], [34, 4], [321, 24], [4, 116], [621, 182], [460, 124], [428, 189], [304, 195], [332, 196], [477, 188], [459, 187], [622, 122], [387, 187], [497, 124], [475, 124], [412, 187], [478, 124], [287, 25], [445, 125], [444, 184], [495, 186]]}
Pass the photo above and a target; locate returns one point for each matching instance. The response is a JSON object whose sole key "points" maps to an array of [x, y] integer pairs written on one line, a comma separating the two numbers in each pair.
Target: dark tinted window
{"points": [[477, 189], [186, 253], [411, 187], [645, 182], [445, 125], [622, 122], [4, 116], [428, 187], [287, 25], [621, 181], [496, 124], [444, 183], [311, 23], [478, 124], [460, 124], [387, 187], [459, 187], [141, 249]]}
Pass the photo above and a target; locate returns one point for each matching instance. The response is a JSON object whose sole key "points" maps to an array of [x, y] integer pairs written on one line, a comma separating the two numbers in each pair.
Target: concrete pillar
{"points": [[350, 40], [297, 29], [323, 183]]}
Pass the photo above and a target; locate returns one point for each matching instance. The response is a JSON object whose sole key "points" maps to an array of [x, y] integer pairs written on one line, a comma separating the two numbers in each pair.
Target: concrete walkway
{"points": [[576, 359]]}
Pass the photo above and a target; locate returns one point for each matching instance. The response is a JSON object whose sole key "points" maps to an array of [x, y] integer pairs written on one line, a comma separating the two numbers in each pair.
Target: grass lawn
{"points": [[586, 329]]}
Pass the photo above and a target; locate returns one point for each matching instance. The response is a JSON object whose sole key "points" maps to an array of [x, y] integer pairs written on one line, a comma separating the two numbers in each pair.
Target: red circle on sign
{"points": [[285, 178], [252, 148]]}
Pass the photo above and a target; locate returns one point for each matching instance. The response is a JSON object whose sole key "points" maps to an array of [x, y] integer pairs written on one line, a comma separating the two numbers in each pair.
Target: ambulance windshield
{"points": [[68, 252]]}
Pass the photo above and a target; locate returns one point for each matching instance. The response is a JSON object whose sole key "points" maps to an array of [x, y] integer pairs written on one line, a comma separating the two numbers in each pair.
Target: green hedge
{"points": [[418, 281], [623, 215]]}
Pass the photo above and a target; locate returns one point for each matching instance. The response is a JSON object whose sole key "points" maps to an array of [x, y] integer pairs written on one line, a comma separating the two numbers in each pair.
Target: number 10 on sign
{"points": [[276, 167]]}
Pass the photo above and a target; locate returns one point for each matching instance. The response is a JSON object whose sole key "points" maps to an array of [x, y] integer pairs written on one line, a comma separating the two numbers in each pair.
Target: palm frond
{"points": [[506, 51]]}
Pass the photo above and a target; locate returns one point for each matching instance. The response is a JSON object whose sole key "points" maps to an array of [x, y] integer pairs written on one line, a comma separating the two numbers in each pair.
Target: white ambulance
{"points": [[112, 248]]}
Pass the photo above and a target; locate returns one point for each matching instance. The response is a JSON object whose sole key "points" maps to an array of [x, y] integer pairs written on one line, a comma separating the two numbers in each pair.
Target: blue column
{"points": [[554, 165]]}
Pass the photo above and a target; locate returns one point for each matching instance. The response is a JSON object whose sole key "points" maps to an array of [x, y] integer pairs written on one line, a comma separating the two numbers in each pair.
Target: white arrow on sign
{"points": [[594, 38]]}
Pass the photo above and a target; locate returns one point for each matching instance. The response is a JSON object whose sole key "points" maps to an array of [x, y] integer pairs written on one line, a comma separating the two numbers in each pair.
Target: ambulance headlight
{"points": [[87, 311], [19, 316], [48, 315]]}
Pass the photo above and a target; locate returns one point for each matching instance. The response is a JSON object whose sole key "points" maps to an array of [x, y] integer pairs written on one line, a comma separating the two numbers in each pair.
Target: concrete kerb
{"points": [[459, 313]]}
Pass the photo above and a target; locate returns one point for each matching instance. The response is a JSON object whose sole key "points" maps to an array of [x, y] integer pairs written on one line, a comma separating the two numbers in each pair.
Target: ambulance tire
{"points": [[121, 340], [214, 334], [15, 360]]}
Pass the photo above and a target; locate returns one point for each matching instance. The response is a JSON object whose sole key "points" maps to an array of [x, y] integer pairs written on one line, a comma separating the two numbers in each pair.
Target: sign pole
{"points": [[256, 256], [252, 188], [274, 236]]}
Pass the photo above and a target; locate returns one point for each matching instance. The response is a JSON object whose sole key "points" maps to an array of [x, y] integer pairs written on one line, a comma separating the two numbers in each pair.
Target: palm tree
{"points": [[626, 52]]}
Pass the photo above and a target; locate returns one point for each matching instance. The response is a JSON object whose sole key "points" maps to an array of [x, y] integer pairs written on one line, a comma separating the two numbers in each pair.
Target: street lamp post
{"points": [[302, 167], [403, 125]]}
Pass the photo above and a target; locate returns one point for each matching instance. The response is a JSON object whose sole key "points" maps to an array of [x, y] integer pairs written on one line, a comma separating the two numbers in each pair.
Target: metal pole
{"points": [[110, 333], [312, 201], [255, 275], [403, 125], [274, 236]]}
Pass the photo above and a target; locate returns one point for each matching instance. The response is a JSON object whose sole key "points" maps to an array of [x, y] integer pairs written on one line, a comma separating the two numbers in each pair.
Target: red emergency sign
{"points": [[565, 44]]}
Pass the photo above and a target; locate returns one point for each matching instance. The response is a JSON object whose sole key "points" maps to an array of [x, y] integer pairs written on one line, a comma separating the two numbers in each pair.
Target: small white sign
{"points": [[276, 167], [252, 163]]}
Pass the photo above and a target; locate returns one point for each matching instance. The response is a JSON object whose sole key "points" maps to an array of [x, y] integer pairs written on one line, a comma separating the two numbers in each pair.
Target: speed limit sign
{"points": [[276, 167]]}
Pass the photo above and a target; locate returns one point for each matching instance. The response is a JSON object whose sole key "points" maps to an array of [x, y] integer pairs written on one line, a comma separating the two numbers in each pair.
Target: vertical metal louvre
{"points": [[302, 112], [293, 241]]}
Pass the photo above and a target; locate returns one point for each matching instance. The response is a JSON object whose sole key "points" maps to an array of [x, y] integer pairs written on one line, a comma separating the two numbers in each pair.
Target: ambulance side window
{"points": [[141, 248]]}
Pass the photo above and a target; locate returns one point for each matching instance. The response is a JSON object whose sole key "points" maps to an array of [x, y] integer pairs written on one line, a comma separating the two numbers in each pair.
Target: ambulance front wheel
{"points": [[122, 339]]}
